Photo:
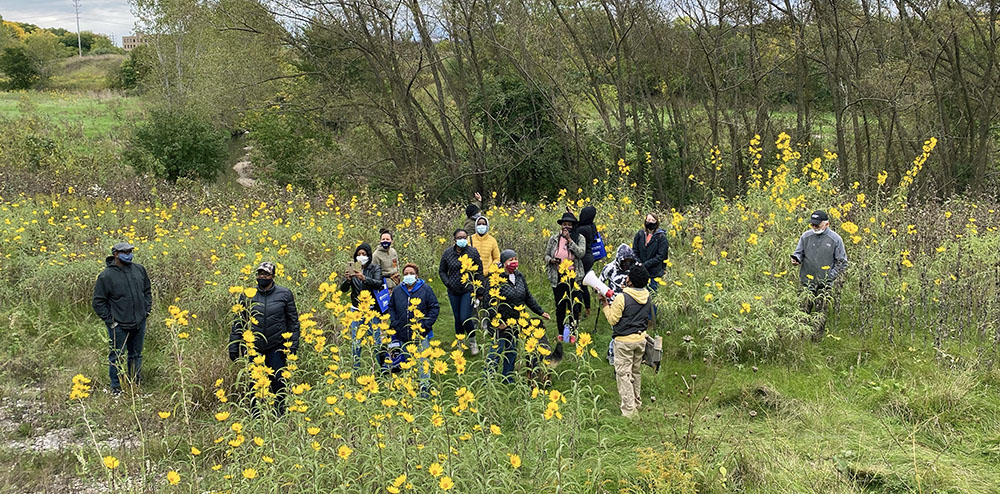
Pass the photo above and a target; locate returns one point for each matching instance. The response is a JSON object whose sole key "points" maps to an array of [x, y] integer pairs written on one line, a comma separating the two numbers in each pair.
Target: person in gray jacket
{"points": [[123, 299], [822, 260]]}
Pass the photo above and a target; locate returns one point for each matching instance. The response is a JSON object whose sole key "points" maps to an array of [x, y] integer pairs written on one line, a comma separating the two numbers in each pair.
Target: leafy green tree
{"points": [[174, 143], [21, 69], [130, 74]]}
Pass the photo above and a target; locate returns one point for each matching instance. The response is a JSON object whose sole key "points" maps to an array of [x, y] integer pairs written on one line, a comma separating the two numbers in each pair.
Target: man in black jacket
{"points": [[123, 299], [267, 326]]}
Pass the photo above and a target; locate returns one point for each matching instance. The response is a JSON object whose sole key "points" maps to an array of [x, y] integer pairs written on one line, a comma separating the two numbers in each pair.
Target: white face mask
{"points": [[409, 279], [362, 259]]}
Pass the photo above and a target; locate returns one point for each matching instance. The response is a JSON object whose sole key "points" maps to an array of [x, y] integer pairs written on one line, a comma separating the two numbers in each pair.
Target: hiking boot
{"points": [[473, 347]]}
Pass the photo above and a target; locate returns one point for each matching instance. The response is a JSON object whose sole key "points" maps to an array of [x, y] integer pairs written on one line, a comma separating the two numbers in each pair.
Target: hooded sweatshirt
{"points": [[122, 295], [372, 281], [486, 245], [588, 229], [629, 314], [615, 274], [651, 254]]}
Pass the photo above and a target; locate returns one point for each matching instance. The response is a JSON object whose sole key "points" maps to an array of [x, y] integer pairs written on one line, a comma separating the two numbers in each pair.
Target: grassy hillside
{"points": [[900, 396], [88, 73]]}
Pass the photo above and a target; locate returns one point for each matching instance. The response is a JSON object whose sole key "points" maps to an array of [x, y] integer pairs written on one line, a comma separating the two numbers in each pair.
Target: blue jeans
{"points": [[504, 349], [461, 308], [356, 342], [121, 342]]}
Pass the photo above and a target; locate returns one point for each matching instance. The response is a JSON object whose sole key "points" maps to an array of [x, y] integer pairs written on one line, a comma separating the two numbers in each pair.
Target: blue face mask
{"points": [[462, 243], [125, 258], [409, 279], [481, 229]]}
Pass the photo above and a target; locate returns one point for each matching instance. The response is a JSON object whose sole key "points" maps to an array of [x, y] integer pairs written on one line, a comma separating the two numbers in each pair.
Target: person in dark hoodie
{"points": [[472, 213], [588, 229], [123, 299], [651, 248], [268, 327], [511, 292], [461, 285], [403, 317], [368, 280]]}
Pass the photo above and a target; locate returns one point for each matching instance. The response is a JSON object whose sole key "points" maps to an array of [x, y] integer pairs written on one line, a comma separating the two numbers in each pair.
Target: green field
{"points": [[96, 114], [901, 395]]}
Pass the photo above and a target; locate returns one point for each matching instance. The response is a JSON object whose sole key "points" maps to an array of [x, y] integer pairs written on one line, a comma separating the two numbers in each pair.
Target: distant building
{"points": [[130, 42]]}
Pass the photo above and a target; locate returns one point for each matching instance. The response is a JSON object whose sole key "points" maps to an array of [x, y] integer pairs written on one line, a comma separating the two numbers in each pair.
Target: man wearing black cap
{"points": [[273, 323], [123, 299], [822, 258]]}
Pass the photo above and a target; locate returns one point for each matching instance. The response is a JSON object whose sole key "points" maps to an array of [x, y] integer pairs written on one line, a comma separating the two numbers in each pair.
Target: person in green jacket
{"points": [[123, 299]]}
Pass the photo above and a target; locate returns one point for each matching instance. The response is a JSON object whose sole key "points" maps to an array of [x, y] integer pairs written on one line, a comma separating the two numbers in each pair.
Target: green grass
{"points": [[844, 415], [95, 113]]}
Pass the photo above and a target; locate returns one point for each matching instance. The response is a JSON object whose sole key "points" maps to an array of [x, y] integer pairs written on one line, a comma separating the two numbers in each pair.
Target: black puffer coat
{"points": [[513, 294], [450, 269], [275, 312]]}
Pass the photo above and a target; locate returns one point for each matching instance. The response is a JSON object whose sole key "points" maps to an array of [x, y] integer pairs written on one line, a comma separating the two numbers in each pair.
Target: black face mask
{"points": [[652, 226], [263, 283]]}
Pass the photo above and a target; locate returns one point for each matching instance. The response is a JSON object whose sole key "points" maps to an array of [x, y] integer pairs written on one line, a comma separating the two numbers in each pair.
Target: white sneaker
{"points": [[473, 347]]}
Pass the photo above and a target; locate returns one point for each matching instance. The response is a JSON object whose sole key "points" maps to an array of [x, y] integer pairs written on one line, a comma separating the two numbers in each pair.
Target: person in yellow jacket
{"points": [[485, 244], [628, 315]]}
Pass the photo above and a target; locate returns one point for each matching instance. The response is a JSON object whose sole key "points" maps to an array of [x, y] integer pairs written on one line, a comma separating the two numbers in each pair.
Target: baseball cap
{"points": [[267, 267], [818, 217], [122, 247]]}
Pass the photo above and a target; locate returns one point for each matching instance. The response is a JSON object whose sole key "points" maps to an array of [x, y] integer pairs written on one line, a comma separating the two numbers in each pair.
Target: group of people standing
{"points": [[469, 269]]}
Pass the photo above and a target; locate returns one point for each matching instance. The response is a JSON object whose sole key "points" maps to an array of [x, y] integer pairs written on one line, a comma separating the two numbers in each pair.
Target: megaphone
{"points": [[595, 283]]}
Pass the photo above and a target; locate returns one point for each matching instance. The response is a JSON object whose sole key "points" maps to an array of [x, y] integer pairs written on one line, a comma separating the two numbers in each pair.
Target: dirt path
{"points": [[244, 170]]}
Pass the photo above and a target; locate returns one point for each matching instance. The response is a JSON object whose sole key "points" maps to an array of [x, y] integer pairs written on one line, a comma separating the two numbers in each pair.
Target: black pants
{"points": [[564, 299]]}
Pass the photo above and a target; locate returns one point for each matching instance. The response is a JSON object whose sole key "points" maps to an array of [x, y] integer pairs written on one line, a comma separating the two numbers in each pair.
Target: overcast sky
{"points": [[100, 16]]}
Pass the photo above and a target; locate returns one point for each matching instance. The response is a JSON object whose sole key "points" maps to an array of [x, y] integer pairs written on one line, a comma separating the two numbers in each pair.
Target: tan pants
{"points": [[628, 373]]}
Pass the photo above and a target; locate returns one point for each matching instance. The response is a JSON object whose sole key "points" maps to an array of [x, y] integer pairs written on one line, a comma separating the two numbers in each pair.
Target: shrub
{"points": [[22, 71], [176, 143], [129, 73], [289, 147]]}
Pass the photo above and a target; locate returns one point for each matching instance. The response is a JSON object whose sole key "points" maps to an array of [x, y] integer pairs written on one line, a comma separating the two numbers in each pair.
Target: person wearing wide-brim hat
{"points": [[123, 299], [563, 247]]}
